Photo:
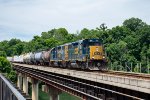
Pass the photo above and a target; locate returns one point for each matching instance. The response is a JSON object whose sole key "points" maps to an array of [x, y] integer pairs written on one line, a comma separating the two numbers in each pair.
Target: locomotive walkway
{"points": [[86, 85]]}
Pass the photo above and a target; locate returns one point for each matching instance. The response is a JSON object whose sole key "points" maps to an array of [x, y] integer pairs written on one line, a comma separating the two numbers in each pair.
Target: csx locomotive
{"points": [[83, 54]]}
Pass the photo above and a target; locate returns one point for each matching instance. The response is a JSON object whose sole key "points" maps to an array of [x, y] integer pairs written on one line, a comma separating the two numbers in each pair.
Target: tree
{"points": [[51, 42], [13, 42], [144, 35], [134, 24], [118, 33], [5, 67], [2, 54], [116, 50], [102, 27], [45, 35]]}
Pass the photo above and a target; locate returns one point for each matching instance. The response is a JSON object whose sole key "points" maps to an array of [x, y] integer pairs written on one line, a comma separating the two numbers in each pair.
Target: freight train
{"points": [[83, 54]]}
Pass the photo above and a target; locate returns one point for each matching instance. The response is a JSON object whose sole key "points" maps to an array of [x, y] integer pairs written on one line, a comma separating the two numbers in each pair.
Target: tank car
{"points": [[38, 58], [27, 58], [46, 57], [17, 59], [32, 58]]}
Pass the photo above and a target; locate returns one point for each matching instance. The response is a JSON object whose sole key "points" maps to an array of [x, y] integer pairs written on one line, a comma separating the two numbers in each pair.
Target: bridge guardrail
{"points": [[8, 91]]}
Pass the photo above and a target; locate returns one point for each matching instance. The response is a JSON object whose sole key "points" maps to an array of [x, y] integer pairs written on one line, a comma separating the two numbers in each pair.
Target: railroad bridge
{"points": [[87, 85]]}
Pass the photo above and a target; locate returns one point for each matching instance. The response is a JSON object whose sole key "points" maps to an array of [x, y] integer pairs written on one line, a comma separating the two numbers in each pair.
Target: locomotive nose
{"points": [[96, 52]]}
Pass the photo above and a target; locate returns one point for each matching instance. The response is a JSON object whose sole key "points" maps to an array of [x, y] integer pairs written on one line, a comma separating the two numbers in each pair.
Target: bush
{"points": [[5, 67], [2, 54]]}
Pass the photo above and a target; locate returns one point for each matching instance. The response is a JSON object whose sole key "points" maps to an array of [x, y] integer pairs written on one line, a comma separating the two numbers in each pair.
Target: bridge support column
{"points": [[25, 84], [19, 81], [35, 89], [54, 93]]}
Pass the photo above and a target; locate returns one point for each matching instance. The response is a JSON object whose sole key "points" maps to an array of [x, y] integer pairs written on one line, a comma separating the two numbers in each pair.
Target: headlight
{"points": [[96, 49], [103, 57]]}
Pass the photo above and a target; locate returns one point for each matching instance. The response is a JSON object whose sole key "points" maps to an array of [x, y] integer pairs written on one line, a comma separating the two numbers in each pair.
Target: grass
{"points": [[66, 96], [62, 96]]}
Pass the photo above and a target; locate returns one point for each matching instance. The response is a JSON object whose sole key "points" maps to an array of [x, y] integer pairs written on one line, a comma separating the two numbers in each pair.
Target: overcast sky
{"points": [[25, 18]]}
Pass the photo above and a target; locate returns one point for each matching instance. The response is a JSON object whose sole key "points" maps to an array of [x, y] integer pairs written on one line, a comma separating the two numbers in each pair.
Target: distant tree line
{"points": [[127, 43]]}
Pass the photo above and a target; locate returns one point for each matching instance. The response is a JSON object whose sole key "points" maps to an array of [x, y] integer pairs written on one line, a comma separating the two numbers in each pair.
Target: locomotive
{"points": [[83, 54]]}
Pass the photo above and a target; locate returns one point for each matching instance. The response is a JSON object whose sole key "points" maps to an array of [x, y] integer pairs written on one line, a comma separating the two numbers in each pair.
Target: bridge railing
{"points": [[8, 91], [130, 67]]}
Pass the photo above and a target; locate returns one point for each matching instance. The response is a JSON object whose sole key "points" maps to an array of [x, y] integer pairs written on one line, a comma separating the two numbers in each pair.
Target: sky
{"points": [[24, 19]]}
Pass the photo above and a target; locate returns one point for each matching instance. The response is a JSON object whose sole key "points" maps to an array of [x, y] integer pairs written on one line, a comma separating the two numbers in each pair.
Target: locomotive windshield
{"points": [[94, 42]]}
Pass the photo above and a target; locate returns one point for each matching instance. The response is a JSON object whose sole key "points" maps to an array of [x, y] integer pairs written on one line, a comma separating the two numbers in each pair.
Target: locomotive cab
{"points": [[96, 50], [95, 55]]}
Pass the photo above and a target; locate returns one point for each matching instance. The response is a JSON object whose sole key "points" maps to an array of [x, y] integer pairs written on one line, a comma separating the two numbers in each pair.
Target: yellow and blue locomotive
{"points": [[83, 54]]}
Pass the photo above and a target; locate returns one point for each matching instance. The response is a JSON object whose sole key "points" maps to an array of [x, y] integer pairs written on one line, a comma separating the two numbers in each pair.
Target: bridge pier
{"points": [[25, 84], [52, 91], [19, 81], [35, 89]]}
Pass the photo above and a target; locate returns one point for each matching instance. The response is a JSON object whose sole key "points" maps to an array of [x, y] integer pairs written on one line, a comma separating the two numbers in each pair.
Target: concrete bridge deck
{"points": [[136, 84]]}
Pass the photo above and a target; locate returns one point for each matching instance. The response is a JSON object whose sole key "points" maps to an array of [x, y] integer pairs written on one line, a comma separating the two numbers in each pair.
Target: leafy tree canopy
{"points": [[129, 42]]}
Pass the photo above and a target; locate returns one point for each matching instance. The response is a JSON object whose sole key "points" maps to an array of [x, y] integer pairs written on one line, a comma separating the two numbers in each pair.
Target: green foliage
{"points": [[134, 24], [129, 42], [2, 54], [66, 96], [5, 67], [51, 42], [12, 76]]}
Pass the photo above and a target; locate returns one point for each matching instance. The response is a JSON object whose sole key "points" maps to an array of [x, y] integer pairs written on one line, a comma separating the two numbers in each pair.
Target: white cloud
{"points": [[23, 19]]}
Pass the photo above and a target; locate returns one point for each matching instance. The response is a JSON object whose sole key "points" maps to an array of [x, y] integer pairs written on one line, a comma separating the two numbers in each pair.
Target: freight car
{"points": [[27, 58], [18, 59], [46, 57]]}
